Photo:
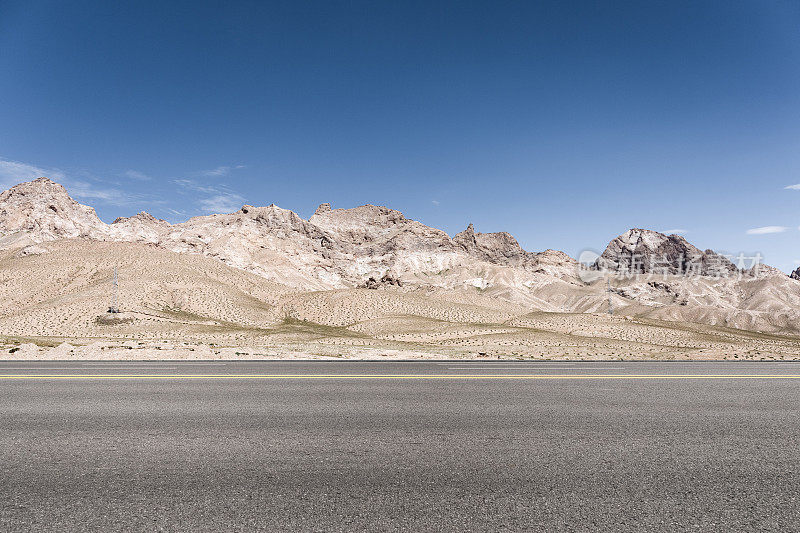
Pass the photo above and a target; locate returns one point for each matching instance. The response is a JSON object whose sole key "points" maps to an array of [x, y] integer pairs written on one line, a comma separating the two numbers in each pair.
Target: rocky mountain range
{"points": [[335, 248], [378, 247]]}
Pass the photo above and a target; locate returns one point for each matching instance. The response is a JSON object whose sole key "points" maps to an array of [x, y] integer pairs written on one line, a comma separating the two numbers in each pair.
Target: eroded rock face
{"points": [[498, 248], [645, 251], [763, 271], [373, 238], [142, 227], [386, 280], [43, 211]]}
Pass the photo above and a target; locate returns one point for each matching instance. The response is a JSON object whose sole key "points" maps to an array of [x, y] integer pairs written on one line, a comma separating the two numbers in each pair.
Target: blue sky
{"points": [[564, 123]]}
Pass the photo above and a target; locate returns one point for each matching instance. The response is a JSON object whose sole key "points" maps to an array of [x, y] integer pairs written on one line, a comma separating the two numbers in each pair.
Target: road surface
{"points": [[383, 446]]}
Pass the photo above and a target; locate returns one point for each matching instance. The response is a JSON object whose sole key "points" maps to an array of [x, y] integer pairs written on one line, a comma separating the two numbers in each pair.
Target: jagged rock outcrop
{"points": [[502, 248], [142, 227], [640, 251], [385, 281], [142, 217], [42, 210], [375, 238], [498, 248], [335, 248], [555, 263], [762, 271]]}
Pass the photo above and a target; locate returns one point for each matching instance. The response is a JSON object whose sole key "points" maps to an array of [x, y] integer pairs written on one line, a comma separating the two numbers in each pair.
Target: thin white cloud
{"points": [[675, 232], [15, 172], [221, 203], [220, 171], [220, 198], [435, 202], [764, 230], [193, 185], [217, 172], [174, 216], [110, 195], [795, 187], [136, 175]]}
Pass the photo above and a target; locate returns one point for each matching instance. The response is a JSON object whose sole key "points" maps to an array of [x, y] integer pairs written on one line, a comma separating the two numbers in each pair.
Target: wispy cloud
{"points": [[193, 185], [136, 175], [221, 203], [84, 190], [217, 172], [675, 232], [205, 195], [220, 171], [220, 198], [764, 230], [15, 172], [435, 202], [795, 187]]}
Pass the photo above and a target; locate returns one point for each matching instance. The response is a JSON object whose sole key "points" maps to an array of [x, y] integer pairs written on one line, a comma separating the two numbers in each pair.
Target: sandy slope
{"points": [[309, 270], [192, 306], [263, 282]]}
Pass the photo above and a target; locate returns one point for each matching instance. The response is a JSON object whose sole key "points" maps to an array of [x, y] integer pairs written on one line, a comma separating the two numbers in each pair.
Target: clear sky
{"points": [[563, 123]]}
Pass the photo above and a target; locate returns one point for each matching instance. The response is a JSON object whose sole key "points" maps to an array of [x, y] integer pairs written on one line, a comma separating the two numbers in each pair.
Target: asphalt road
{"points": [[456, 446]]}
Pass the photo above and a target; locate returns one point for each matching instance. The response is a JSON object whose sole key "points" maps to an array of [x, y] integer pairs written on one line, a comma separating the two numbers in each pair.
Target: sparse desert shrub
{"points": [[104, 320]]}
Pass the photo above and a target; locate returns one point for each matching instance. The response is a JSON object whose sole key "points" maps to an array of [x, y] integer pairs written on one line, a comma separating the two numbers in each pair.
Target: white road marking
{"points": [[501, 362], [42, 368], [526, 368], [36, 367], [173, 367], [147, 364]]}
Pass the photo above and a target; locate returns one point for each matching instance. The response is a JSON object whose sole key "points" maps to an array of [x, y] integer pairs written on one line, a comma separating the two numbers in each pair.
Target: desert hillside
{"points": [[366, 282], [190, 306]]}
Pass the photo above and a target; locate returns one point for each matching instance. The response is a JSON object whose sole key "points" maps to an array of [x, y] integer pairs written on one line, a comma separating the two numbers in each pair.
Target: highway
{"points": [[386, 446]]}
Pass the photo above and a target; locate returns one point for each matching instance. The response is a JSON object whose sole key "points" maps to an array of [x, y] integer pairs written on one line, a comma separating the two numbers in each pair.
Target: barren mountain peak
{"points": [[43, 210], [341, 248], [142, 216], [359, 218], [466, 238], [555, 255], [42, 186], [642, 250]]}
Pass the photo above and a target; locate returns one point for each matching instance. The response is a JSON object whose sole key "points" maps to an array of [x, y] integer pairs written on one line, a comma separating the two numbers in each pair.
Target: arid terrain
{"points": [[363, 283]]}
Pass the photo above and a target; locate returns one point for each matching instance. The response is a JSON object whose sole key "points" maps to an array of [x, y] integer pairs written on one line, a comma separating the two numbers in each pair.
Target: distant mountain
{"points": [[335, 248], [41, 210], [345, 248]]}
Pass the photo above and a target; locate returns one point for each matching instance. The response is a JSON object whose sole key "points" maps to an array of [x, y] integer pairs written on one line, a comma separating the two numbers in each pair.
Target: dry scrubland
{"points": [[184, 306]]}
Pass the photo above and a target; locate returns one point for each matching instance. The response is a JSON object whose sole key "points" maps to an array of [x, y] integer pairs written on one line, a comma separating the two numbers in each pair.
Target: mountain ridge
{"points": [[379, 248], [364, 231], [70, 219]]}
